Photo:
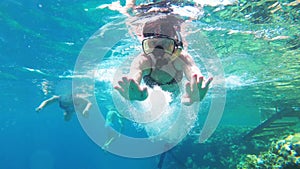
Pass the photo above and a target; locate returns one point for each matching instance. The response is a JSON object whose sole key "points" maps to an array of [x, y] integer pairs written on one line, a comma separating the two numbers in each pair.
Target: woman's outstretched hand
{"points": [[131, 90], [196, 90]]}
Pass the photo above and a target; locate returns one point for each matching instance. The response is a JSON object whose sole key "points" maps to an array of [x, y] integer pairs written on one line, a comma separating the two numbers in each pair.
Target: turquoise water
{"points": [[257, 43]]}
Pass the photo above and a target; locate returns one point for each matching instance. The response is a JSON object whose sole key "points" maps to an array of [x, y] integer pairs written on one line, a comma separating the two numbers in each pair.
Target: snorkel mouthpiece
{"points": [[158, 51]]}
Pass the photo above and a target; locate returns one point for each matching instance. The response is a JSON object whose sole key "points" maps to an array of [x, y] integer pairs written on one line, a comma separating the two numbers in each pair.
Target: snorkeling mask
{"points": [[159, 44]]}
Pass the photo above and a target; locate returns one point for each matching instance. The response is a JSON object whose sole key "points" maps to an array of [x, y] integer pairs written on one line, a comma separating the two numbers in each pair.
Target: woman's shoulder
{"points": [[185, 58], [185, 55]]}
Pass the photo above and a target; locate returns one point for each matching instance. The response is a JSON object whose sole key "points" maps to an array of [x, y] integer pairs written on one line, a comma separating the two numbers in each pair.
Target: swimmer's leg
{"points": [[67, 116], [161, 160]]}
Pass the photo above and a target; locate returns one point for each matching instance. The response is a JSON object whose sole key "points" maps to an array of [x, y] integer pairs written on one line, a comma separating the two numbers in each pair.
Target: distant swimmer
{"points": [[68, 104]]}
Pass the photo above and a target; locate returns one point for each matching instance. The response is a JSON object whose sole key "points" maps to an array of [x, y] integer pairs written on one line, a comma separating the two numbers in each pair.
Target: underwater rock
{"points": [[296, 147], [282, 154]]}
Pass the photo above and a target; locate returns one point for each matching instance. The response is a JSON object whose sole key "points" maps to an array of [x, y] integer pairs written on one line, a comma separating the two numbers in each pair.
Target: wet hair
{"points": [[164, 25]]}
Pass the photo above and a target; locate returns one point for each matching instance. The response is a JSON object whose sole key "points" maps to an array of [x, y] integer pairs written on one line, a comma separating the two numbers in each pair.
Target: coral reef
{"points": [[227, 149], [222, 150], [281, 154]]}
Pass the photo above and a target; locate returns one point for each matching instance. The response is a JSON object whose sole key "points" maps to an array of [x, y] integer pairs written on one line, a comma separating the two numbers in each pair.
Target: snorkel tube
{"points": [[179, 43]]}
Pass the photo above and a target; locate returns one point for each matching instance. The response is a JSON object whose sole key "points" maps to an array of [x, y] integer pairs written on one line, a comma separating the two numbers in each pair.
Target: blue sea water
{"points": [[40, 42]]}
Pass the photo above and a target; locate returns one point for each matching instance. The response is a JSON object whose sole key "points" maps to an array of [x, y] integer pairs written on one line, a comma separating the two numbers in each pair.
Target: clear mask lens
{"points": [[158, 44]]}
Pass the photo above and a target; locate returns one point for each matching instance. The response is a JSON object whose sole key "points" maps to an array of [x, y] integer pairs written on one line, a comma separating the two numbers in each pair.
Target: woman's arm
{"points": [[189, 66], [196, 88], [129, 86], [139, 65]]}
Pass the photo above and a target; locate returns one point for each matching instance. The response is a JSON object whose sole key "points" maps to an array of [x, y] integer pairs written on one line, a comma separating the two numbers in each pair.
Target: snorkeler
{"points": [[163, 63], [68, 103]]}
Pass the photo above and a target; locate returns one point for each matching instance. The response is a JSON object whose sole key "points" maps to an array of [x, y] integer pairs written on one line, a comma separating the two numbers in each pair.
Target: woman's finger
{"points": [[208, 81], [188, 88], [193, 82]]}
